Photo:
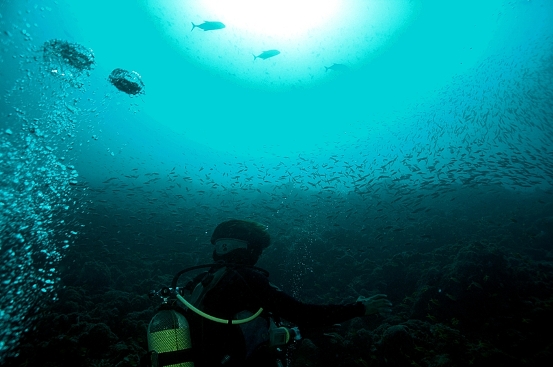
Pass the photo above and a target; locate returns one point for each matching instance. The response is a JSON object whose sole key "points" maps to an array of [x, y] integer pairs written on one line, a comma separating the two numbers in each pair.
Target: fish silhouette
{"points": [[266, 54], [208, 26], [337, 67]]}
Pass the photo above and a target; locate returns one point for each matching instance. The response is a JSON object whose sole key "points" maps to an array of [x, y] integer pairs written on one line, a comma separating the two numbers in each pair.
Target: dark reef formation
{"points": [[458, 305]]}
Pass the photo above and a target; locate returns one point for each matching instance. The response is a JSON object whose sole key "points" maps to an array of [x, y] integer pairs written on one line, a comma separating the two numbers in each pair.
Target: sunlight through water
{"points": [[310, 35], [279, 19]]}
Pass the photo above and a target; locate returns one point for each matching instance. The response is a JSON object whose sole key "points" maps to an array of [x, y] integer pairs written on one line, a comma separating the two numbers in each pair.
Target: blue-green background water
{"points": [[444, 112]]}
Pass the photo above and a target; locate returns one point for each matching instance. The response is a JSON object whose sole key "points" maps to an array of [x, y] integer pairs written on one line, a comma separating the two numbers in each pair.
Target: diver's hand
{"points": [[376, 304]]}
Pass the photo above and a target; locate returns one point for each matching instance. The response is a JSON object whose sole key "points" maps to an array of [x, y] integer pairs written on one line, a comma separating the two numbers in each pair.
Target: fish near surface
{"points": [[266, 54], [337, 67], [208, 26]]}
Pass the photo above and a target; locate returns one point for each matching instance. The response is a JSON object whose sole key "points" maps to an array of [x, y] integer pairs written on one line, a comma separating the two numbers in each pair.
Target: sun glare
{"points": [[305, 37], [276, 18]]}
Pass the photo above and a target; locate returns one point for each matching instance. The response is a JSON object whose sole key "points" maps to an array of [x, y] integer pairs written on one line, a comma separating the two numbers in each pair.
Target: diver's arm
{"points": [[274, 300], [307, 314]]}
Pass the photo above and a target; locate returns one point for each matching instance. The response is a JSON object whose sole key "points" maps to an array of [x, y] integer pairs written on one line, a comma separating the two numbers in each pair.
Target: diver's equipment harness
{"points": [[169, 341]]}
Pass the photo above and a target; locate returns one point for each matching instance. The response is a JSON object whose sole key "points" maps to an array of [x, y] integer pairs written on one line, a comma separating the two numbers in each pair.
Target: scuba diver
{"points": [[232, 315]]}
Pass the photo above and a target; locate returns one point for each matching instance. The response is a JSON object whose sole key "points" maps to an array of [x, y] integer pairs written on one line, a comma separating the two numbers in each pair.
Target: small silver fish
{"points": [[266, 54], [208, 26]]}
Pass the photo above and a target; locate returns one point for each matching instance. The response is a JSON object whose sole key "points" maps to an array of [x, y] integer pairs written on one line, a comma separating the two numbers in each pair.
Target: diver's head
{"points": [[239, 241]]}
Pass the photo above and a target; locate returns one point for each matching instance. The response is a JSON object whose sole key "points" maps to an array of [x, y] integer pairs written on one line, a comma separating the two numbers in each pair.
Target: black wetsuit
{"points": [[247, 289]]}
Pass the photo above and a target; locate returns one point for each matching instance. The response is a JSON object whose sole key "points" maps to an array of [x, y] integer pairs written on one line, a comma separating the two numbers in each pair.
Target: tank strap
{"points": [[197, 297]]}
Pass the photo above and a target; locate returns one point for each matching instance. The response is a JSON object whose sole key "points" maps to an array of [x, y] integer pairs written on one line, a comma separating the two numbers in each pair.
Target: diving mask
{"points": [[225, 245]]}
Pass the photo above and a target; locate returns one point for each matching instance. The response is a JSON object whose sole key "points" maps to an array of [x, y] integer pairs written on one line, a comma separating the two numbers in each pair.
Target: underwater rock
{"points": [[126, 81], [97, 338], [96, 275], [306, 354], [396, 336]]}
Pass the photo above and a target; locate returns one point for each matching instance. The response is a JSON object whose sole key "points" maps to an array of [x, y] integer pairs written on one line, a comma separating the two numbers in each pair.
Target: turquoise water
{"points": [[207, 87], [440, 93]]}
